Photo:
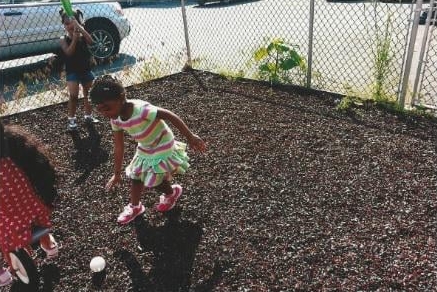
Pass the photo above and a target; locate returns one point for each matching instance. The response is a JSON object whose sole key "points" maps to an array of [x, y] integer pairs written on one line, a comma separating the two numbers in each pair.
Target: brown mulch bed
{"points": [[292, 195]]}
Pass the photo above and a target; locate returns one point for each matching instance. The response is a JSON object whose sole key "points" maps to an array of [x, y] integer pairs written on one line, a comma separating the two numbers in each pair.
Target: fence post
{"points": [[187, 41], [422, 50], [310, 44], [410, 52]]}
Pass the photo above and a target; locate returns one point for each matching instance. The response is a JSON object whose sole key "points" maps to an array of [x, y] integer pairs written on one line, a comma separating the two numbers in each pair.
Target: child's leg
{"points": [[136, 190], [165, 188], [73, 91], [85, 90], [135, 207], [171, 194]]}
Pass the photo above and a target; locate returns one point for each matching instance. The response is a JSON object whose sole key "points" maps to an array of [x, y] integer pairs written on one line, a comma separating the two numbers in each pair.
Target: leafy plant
{"points": [[383, 54], [345, 104], [232, 74], [383, 60], [21, 91], [152, 69], [276, 60]]}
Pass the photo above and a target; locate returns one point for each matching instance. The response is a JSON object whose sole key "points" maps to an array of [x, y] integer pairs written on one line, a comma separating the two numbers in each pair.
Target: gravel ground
{"points": [[291, 195]]}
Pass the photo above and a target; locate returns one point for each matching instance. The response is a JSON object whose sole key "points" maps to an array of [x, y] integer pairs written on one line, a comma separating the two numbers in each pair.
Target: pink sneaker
{"points": [[130, 213], [166, 203], [5, 277]]}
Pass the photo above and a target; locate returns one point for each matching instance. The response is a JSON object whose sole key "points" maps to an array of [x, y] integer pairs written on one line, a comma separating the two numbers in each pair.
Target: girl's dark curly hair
{"points": [[106, 88], [30, 155], [78, 15]]}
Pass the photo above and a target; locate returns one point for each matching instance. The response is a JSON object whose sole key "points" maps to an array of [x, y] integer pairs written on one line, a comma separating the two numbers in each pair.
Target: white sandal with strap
{"points": [[51, 252]]}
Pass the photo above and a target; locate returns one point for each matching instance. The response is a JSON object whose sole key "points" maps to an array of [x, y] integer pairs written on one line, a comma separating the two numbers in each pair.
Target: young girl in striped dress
{"points": [[158, 155]]}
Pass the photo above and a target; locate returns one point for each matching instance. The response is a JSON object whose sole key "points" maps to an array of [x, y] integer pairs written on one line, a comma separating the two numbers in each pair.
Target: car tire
{"points": [[423, 16], [106, 39]]}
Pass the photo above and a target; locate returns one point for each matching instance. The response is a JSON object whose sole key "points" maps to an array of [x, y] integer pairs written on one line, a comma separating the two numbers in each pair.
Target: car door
{"points": [[5, 50], [32, 27]]}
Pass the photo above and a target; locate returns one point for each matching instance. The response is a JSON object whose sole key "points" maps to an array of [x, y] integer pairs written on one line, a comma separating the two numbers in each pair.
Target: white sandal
{"points": [[52, 252]]}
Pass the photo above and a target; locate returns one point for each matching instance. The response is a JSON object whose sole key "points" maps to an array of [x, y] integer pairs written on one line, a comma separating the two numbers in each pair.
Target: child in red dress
{"points": [[27, 193]]}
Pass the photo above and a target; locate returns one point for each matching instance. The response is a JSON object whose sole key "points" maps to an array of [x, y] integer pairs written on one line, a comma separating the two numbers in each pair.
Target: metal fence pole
{"points": [[410, 52], [422, 51], [187, 41], [310, 44]]}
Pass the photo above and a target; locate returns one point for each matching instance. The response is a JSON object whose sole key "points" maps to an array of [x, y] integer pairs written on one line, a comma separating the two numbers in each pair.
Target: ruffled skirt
{"points": [[152, 171]]}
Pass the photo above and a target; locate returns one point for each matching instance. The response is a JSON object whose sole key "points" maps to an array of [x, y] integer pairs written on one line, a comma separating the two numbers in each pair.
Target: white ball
{"points": [[97, 264]]}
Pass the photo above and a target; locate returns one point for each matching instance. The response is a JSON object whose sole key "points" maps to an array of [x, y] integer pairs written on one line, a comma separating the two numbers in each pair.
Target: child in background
{"points": [[158, 156], [27, 193], [78, 61]]}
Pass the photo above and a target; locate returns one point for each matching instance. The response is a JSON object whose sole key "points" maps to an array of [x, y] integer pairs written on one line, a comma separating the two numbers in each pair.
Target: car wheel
{"points": [[106, 41], [423, 16]]}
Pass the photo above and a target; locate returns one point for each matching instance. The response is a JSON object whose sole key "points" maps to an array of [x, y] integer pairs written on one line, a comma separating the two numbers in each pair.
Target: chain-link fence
{"points": [[349, 47], [353, 47], [143, 41]]}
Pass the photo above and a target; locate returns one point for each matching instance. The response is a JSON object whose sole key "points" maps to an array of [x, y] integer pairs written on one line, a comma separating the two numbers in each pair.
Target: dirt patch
{"points": [[292, 195]]}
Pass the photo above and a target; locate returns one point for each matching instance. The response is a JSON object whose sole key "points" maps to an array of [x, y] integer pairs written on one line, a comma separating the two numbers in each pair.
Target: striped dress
{"points": [[158, 156]]}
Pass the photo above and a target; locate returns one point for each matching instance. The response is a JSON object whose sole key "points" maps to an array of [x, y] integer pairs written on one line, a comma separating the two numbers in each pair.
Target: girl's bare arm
{"points": [[194, 141], [118, 160], [68, 49], [85, 34], [118, 151]]}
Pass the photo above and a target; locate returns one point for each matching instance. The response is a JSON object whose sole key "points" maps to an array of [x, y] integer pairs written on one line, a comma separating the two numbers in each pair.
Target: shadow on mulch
{"points": [[50, 276], [88, 153], [173, 246]]}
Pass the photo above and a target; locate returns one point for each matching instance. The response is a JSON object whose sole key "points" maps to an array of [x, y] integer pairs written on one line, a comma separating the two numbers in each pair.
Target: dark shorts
{"points": [[81, 78]]}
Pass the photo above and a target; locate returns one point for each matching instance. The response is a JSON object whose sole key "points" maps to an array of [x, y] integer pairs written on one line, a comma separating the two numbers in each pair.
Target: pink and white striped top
{"points": [[155, 138]]}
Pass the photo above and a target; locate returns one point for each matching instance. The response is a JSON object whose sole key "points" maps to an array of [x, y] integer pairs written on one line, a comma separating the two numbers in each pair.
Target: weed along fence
{"points": [[375, 50]]}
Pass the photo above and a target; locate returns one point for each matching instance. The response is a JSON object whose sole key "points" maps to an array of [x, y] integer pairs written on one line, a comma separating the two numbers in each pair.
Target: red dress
{"points": [[20, 207]]}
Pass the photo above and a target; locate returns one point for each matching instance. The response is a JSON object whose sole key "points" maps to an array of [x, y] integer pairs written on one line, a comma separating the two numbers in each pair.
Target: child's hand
{"points": [[76, 34], [115, 180], [197, 143]]}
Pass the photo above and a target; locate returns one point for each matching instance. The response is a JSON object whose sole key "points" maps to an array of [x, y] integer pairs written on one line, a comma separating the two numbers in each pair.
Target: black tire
{"points": [[423, 16], [25, 269], [106, 39]]}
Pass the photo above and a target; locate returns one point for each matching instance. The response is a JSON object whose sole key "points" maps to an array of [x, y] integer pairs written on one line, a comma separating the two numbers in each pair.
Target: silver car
{"points": [[33, 27]]}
